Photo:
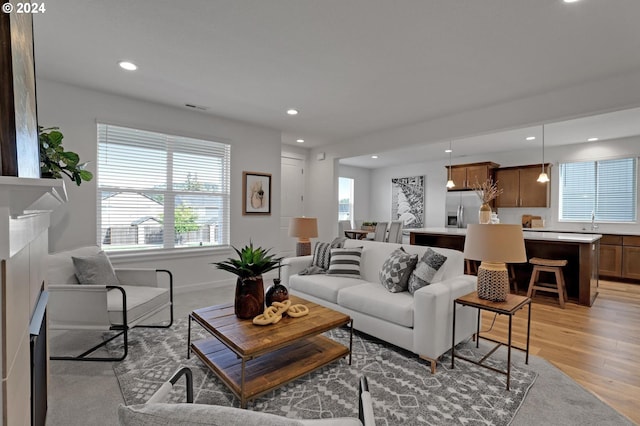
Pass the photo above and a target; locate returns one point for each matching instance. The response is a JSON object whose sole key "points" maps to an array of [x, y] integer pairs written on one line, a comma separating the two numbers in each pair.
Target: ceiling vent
{"points": [[198, 107]]}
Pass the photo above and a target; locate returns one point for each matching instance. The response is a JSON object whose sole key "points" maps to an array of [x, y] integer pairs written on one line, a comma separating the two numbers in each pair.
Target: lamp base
{"points": [[303, 248], [493, 281]]}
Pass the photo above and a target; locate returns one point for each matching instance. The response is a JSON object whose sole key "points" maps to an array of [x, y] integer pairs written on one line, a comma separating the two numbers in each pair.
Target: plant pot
{"points": [[249, 300], [276, 293]]}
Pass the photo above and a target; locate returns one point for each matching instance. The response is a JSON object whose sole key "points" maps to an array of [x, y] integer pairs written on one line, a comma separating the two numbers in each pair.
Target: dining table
{"points": [[356, 234]]}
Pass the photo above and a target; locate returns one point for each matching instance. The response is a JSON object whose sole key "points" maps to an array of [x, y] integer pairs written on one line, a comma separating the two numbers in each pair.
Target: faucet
{"points": [[594, 225]]}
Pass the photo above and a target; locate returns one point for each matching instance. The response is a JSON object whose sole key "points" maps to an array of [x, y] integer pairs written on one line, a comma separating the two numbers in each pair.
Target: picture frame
{"points": [[256, 193], [408, 200]]}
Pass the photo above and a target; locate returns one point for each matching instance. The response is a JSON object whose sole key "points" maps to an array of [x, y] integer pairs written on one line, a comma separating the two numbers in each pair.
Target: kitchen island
{"points": [[580, 250]]}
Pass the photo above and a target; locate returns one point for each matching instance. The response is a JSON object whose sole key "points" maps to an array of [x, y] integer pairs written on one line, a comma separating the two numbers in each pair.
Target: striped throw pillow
{"points": [[345, 262], [321, 255]]}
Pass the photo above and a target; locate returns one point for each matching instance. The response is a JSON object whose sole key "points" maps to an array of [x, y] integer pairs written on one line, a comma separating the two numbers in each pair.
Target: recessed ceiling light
{"points": [[292, 111], [374, 156], [300, 140], [571, 1], [129, 66], [592, 139], [530, 138], [448, 150]]}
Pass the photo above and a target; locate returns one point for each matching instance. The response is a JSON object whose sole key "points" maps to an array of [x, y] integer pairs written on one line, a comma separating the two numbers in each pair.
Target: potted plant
{"points": [[55, 161], [249, 267]]}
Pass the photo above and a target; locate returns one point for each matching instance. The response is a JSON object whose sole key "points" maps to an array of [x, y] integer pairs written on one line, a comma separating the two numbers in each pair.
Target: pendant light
{"points": [[543, 178], [450, 183]]}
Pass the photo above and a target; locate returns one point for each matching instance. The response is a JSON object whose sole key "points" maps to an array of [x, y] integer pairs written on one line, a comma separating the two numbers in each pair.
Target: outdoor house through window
{"points": [[161, 191], [599, 191]]}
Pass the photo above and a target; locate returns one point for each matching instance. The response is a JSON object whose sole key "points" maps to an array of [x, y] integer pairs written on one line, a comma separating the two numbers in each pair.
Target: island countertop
{"points": [[581, 251], [570, 237]]}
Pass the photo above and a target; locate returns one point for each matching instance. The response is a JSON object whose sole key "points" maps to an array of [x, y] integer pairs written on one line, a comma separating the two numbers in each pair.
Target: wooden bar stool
{"points": [[548, 265]]}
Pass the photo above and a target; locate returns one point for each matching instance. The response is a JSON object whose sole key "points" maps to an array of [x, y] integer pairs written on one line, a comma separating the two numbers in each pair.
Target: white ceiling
{"points": [[351, 67]]}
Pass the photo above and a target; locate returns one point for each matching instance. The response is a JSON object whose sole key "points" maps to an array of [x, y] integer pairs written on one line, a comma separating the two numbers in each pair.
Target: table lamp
{"points": [[494, 245], [303, 228]]}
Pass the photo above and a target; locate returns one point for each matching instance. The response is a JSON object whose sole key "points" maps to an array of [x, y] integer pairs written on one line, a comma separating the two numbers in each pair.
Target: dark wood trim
{"points": [[8, 151]]}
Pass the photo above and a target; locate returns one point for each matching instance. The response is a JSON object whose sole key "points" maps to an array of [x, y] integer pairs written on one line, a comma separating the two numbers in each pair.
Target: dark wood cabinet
{"points": [[631, 257], [466, 175], [620, 256], [520, 187]]}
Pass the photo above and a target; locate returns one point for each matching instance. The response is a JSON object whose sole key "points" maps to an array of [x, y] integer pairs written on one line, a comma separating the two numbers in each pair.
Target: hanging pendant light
{"points": [[543, 177], [450, 183]]}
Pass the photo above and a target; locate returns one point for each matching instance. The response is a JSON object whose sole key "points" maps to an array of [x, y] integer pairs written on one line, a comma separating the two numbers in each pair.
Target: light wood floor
{"points": [[599, 347]]}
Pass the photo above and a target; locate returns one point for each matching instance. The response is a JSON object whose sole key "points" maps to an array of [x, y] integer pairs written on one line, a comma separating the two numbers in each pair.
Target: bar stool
{"points": [[548, 265]]}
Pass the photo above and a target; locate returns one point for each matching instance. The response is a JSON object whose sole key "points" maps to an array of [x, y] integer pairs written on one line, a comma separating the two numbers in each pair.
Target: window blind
{"points": [[607, 189], [161, 191]]}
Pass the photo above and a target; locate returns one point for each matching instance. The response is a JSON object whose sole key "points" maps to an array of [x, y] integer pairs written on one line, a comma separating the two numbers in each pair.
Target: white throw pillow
{"points": [[425, 270], [95, 269]]}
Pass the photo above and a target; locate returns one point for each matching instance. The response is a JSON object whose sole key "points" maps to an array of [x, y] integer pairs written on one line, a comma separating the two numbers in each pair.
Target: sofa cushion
{"points": [[425, 270], [395, 271], [325, 287], [322, 253], [140, 301], [161, 414], [95, 269], [373, 299], [345, 262]]}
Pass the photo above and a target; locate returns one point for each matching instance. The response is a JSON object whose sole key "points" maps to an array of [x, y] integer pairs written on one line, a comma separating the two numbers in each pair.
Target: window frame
{"points": [[596, 197], [175, 144]]}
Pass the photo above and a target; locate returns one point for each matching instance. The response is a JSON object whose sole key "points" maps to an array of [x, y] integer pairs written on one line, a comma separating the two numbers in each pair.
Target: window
{"points": [[606, 189], [161, 191], [345, 198]]}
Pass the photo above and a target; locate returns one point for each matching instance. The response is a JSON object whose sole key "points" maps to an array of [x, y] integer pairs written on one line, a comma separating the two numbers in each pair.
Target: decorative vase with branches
{"points": [[486, 192]]}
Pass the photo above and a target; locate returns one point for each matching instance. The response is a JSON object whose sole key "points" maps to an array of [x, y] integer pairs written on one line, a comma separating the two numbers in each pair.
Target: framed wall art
{"points": [[407, 201], [256, 189]]}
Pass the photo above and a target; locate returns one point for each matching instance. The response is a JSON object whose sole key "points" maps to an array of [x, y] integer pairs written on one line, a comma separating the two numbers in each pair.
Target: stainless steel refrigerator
{"points": [[461, 208]]}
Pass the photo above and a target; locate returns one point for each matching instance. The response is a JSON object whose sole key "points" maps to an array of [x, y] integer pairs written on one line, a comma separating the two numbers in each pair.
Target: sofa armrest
{"points": [[293, 265], [433, 315], [76, 306]]}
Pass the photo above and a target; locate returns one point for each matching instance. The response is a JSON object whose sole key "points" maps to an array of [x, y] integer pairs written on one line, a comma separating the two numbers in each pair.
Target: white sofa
{"points": [[420, 323]]}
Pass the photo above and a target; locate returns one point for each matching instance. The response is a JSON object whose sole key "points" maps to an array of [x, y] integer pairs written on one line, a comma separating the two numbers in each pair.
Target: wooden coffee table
{"points": [[254, 359]]}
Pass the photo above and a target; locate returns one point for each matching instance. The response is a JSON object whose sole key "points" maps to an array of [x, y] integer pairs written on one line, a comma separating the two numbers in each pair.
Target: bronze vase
{"points": [[276, 293], [249, 300]]}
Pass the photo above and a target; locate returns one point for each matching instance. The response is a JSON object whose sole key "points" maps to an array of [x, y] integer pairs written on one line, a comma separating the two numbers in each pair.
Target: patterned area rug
{"points": [[403, 389]]}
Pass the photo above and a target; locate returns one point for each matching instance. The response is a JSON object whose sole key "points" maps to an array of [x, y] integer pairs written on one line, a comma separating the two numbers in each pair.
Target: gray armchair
{"points": [[163, 414], [113, 303]]}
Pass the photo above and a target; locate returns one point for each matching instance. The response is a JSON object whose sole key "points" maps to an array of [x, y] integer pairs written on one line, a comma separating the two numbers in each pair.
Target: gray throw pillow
{"points": [[95, 269], [345, 262], [395, 271], [425, 270], [322, 253]]}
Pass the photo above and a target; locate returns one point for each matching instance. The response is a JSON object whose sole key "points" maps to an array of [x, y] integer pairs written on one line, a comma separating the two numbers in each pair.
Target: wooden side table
{"points": [[509, 307]]}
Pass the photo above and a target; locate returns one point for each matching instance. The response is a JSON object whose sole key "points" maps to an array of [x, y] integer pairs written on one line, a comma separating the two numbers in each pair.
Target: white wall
{"points": [[361, 191], [436, 177], [581, 100], [253, 148]]}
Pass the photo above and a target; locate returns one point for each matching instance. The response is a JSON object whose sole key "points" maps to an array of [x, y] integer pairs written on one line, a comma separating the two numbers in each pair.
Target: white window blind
{"points": [[605, 188], [161, 191]]}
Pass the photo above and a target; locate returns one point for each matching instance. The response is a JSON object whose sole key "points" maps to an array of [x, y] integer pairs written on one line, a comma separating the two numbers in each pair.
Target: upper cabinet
{"points": [[466, 175], [520, 187]]}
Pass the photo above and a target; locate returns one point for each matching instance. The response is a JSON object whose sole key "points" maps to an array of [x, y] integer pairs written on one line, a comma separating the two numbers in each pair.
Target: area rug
{"points": [[403, 389]]}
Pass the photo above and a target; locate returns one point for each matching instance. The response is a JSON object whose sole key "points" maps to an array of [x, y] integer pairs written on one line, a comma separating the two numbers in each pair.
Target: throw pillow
{"points": [[425, 270], [95, 269], [395, 271], [322, 253], [345, 262]]}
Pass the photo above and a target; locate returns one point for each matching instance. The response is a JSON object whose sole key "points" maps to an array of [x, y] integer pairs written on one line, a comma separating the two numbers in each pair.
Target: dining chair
{"points": [[395, 232], [380, 232], [343, 225]]}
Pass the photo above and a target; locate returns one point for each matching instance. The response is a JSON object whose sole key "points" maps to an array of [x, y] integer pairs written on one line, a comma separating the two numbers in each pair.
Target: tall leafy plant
{"points": [[251, 262], [55, 161]]}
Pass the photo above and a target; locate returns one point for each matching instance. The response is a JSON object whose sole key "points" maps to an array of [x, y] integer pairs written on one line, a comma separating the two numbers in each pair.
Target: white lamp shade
{"points": [[303, 227], [495, 243]]}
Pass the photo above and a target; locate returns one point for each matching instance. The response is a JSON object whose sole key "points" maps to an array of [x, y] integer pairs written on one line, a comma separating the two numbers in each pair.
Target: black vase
{"points": [[249, 300], [276, 293]]}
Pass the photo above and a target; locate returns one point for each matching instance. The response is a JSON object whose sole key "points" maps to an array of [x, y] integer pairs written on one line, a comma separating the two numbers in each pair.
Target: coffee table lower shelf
{"points": [[271, 370]]}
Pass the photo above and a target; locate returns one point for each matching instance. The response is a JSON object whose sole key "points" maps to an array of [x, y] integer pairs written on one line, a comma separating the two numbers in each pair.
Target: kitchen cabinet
{"points": [[631, 257], [466, 175], [520, 187], [611, 256], [620, 256]]}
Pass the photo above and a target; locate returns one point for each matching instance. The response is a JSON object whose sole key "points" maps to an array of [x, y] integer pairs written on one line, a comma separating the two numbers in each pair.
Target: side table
{"points": [[509, 307]]}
